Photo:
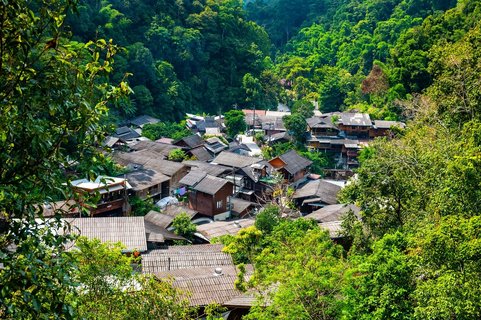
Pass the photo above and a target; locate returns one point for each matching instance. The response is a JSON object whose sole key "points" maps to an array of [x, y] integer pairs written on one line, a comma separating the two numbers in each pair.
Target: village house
{"points": [[151, 160], [204, 273], [126, 134], [208, 194], [269, 122], [355, 124], [111, 195], [291, 165], [316, 194], [190, 142], [141, 121], [156, 225], [148, 184], [381, 128], [250, 174], [281, 137], [215, 146], [333, 212], [206, 125], [323, 126]]}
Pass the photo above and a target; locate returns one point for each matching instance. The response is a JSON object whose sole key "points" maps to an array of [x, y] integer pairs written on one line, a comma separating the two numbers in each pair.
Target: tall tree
{"points": [[54, 96], [235, 122]]}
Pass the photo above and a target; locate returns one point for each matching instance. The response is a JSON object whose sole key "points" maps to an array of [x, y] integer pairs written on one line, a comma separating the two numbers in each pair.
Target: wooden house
{"points": [[291, 165], [355, 124], [322, 126], [209, 196], [110, 194], [383, 128], [148, 183]]}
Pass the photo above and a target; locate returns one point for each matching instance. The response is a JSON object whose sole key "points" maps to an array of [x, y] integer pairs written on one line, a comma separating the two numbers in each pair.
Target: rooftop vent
{"points": [[217, 272]]}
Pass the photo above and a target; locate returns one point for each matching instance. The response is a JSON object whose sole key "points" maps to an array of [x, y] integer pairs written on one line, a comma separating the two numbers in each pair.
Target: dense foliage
{"points": [[108, 287], [413, 255], [53, 97], [184, 56], [363, 55]]}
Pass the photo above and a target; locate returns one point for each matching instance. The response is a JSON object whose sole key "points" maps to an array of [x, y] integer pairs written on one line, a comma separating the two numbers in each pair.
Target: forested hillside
{"points": [[363, 55], [182, 56], [206, 56], [412, 252]]}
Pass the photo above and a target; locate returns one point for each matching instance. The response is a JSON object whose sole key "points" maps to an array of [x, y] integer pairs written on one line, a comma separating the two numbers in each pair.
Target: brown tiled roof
{"points": [[235, 160], [157, 147], [128, 230], [221, 228], [211, 185]]}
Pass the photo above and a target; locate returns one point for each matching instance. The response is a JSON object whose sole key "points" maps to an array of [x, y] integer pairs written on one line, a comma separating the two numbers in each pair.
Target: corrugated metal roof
{"points": [[322, 189], [140, 121], [212, 169], [207, 290], [163, 262], [235, 160], [294, 162], [197, 248], [160, 148], [211, 185], [193, 178], [201, 153], [168, 168], [221, 228], [142, 179], [128, 230], [191, 141], [240, 205], [356, 119], [159, 219], [334, 228], [332, 213], [174, 210], [382, 124]]}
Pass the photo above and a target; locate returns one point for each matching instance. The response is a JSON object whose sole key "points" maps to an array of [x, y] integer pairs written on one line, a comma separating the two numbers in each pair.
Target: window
{"points": [[219, 204]]}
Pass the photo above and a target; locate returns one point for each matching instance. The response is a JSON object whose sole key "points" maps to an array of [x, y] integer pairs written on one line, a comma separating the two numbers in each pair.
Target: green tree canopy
{"points": [[235, 122], [54, 95]]}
